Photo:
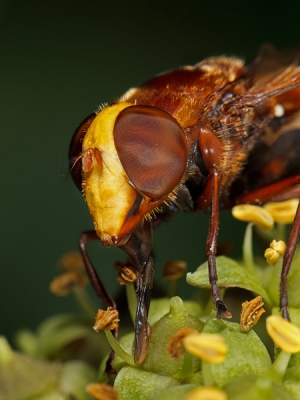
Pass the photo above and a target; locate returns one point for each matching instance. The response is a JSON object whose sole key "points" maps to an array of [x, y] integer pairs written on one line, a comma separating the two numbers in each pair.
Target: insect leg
{"points": [[139, 248], [97, 284], [211, 244], [287, 259], [282, 190]]}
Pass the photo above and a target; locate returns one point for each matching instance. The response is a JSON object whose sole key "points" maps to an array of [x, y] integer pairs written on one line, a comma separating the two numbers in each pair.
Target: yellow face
{"points": [[133, 159], [108, 193]]}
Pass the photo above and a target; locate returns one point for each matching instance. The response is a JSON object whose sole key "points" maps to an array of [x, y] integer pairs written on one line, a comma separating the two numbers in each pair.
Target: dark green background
{"points": [[59, 61]]}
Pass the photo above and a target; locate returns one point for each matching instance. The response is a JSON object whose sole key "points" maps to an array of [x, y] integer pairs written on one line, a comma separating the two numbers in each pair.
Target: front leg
{"points": [[139, 247], [211, 195], [97, 284]]}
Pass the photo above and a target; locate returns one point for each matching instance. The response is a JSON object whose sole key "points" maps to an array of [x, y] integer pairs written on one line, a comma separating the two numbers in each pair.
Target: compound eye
{"points": [[75, 150], [152, 149]]}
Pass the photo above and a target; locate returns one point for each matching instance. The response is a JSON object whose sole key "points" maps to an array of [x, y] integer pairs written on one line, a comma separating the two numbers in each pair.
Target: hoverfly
{"points": [[199, 138]]}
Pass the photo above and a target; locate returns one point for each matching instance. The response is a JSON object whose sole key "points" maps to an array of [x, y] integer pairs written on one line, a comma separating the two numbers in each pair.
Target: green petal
{"points": [[246, 353], [23, 377], [230, 274], [292, 381], [57, 332], [74, 378]]}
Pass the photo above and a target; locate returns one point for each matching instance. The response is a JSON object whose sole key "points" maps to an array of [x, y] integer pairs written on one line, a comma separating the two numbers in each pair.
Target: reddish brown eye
{"points": [[152, 149], [75, 150]]}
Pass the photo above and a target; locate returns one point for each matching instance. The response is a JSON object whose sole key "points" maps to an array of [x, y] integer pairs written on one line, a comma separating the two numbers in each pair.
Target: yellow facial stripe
{"points": [[108, 194]]}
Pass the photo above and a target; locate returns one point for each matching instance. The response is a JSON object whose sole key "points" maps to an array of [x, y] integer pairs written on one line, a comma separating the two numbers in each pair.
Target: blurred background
{"points": [[61, 59]]}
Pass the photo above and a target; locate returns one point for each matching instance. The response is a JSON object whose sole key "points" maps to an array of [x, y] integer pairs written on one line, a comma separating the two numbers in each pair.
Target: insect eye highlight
{"points": [[152, 149], [75, 150]]}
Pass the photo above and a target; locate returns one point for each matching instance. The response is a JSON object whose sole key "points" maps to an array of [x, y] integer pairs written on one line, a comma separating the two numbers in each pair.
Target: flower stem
{"points": [[85, 302], [280, 231], [128, 358], [279, 366], [187, 367], [173, 288], [247, 249]]}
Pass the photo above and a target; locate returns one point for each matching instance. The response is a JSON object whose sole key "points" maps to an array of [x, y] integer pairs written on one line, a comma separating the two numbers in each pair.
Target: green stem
{"points": [[207, 375], [248, 250], [279, 366], [173, 288], [85, 302], [187, 367], [128, 358], [131, 301], [280, 232]]}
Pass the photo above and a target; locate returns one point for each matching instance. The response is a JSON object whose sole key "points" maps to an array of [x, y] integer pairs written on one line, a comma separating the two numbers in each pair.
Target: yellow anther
{"points": [[126, 273], [285, 334], [209, 347], [106, 320], [255, 214], [251, 312], [284, 211], [71, 261], [65, 283], [174, 269], [275, 251]]}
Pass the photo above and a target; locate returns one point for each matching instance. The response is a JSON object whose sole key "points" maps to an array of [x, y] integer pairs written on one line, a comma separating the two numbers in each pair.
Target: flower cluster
{"points": [[192, 354], [189, 359]]}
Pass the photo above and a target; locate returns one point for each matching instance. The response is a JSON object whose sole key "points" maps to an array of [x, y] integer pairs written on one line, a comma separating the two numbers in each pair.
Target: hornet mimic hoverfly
{"points": [[199, 138]]}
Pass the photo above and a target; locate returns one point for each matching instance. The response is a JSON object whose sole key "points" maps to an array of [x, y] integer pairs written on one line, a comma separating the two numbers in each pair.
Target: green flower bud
{"points": [[158, 359], [173, 393], [135, 384]]}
